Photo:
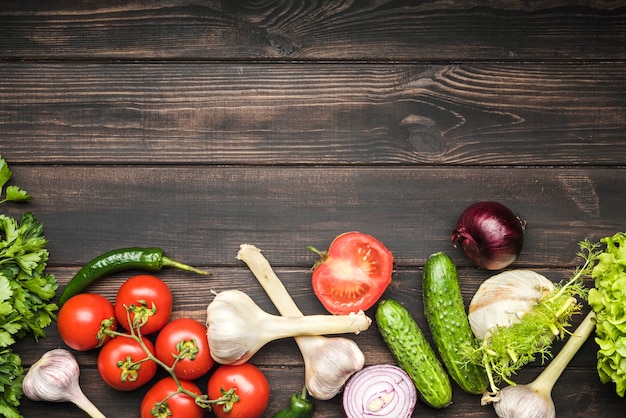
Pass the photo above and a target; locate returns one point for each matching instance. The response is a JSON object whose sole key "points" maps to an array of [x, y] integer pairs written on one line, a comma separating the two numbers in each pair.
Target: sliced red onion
{"points": [[381, 390], [490, 235]]}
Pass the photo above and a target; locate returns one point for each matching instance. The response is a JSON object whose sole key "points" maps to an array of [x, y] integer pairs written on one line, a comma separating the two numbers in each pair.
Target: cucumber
{"points": [[447, 319], [414, 353]]}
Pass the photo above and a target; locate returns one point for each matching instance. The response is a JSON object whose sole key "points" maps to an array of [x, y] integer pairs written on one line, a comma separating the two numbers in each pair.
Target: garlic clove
{"points": [[504, 298]]}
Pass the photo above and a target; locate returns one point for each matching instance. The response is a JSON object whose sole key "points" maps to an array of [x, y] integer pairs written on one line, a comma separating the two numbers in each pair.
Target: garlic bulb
{"points": [[503, 299], [238, 328], [55, 378], [328, 361]]}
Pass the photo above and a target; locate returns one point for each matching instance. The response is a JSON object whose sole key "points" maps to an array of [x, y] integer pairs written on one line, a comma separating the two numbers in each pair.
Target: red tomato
{"points": [[353, 274], [120, 365], [178, 406], [80, 321], [144, 292], [188, 335], [250, 385]]}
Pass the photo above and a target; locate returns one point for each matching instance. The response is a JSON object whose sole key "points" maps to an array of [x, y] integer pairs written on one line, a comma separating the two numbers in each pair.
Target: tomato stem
{"points": [[227, 400], [187, 349], [323, 255]]}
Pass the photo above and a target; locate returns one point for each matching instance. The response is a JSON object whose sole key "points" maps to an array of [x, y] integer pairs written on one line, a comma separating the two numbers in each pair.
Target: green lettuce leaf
{"points": [[608, 300]]}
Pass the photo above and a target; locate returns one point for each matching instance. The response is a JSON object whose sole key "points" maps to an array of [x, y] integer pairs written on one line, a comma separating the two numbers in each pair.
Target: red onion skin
{"points": [[490, 235]]}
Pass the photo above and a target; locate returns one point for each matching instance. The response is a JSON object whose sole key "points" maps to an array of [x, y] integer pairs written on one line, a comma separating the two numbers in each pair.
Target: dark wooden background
{"points": [[197, 126]]}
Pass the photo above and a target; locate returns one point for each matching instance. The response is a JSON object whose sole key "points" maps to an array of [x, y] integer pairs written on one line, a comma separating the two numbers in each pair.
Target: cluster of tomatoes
{"points": [[88, 321]]}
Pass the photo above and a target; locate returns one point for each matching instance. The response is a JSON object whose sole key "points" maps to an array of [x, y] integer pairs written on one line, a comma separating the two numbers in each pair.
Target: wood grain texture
{"points": [[292, 30], [204, 213], [197, 126], [479, 114]]}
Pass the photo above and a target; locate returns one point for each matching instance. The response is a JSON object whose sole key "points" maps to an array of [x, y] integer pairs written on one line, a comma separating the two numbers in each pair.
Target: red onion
{"points": [[490, 235], [381, 390]]}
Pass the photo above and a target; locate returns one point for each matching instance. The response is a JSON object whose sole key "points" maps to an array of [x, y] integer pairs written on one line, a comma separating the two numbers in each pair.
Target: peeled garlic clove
{"points": [[503, 299]]}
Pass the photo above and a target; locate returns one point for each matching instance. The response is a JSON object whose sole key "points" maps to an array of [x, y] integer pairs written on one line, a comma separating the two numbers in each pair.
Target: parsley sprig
{"points": [[25, 291], [12, 193]]}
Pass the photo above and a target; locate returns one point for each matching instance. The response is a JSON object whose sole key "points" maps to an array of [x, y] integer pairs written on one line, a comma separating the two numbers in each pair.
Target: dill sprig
{"points": [[507, 349]]}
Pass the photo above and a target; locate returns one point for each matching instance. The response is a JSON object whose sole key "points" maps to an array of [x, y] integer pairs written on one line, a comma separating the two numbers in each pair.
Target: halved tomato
{"points": [[353, 274]]}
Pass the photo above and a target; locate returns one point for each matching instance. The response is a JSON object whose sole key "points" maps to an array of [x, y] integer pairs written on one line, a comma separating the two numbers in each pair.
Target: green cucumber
{"points": [[414, 353], [447, 319]]}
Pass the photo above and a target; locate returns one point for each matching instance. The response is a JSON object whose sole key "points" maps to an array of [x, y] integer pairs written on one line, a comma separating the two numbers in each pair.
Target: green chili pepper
{"points": [[150, 259], [299, 407]]}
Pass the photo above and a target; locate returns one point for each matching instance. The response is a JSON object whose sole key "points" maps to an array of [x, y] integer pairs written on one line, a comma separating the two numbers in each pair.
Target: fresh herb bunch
{"points": [[508, 349], [25, 291], [608, 300], [24, 287]]}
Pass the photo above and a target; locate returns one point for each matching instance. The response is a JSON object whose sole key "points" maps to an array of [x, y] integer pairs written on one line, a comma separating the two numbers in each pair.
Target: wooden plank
{"points": [[375, 30], [203, 213], [232, 113]]}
